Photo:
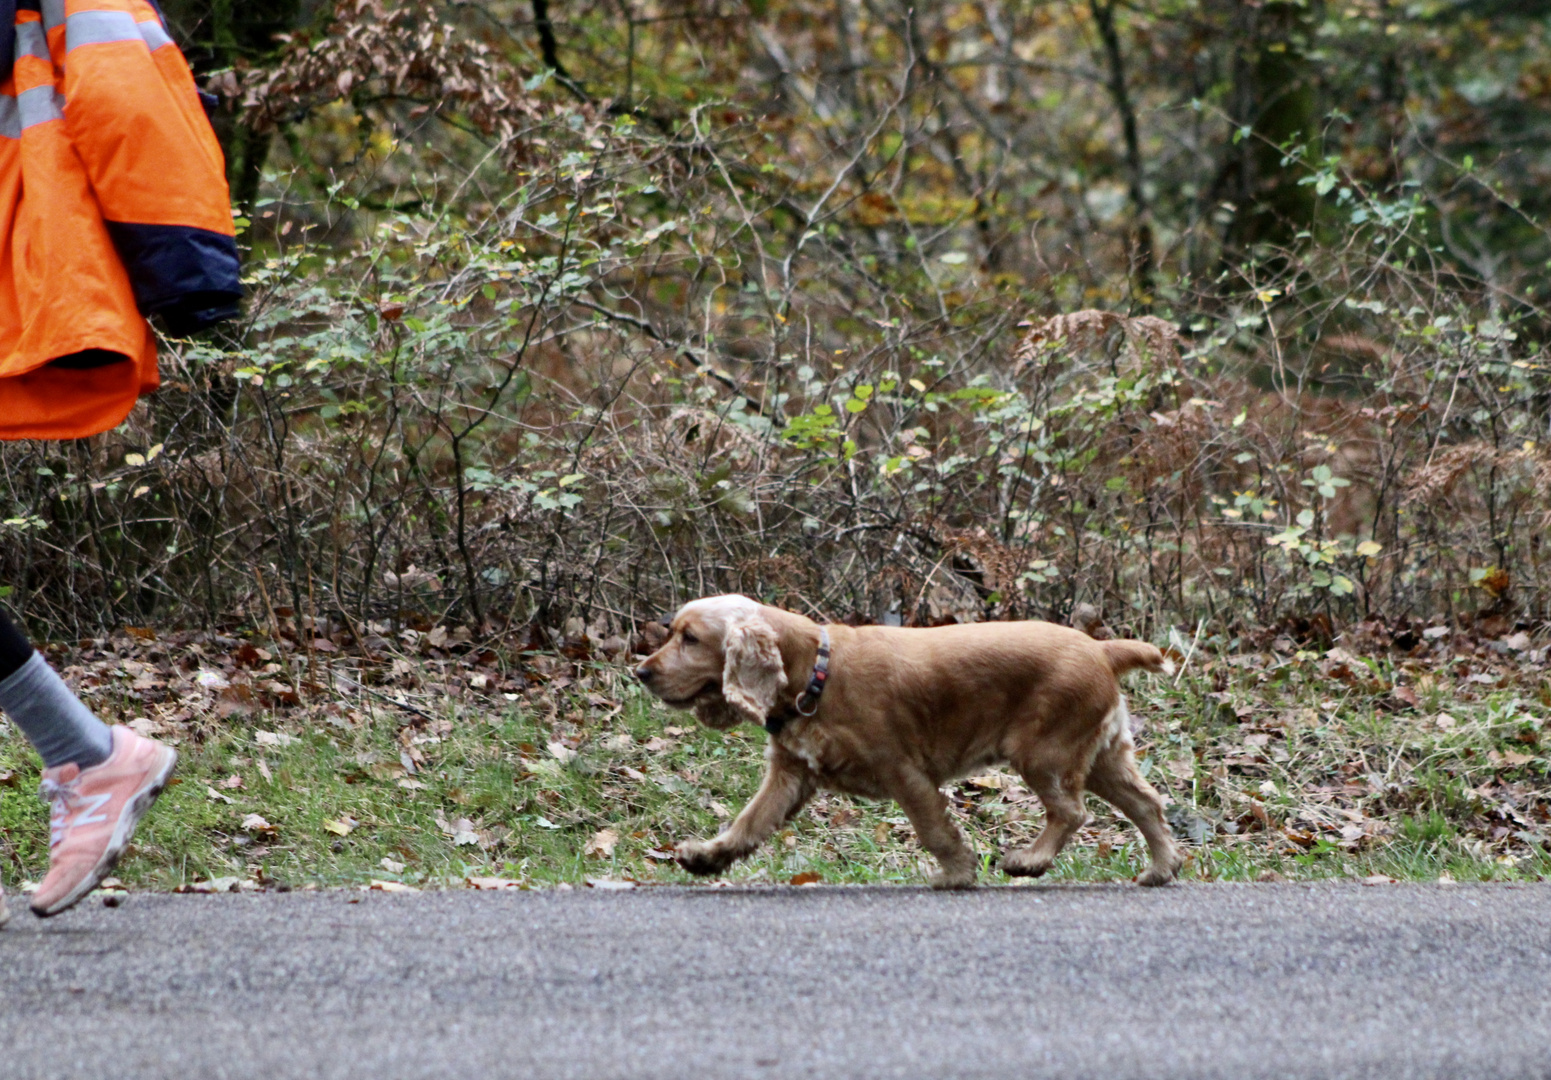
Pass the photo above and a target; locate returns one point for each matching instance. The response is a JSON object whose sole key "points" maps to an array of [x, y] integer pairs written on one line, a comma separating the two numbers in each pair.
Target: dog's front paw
{"points": [[700, 858]]}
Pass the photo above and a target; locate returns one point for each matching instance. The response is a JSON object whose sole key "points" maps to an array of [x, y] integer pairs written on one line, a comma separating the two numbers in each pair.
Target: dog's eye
{"points": [[690, 639]]}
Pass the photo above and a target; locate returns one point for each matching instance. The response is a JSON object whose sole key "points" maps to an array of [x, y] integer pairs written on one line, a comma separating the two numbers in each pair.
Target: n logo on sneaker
{"points": [[88, 814]]}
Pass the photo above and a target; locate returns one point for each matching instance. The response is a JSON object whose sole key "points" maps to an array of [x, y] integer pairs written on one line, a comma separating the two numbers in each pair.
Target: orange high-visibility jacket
{"points": [[113, 207]]}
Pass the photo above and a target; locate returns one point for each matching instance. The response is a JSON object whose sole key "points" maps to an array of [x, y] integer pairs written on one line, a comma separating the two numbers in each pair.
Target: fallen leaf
{"points": [[342, 826], [676, 730], [494, 884], [274, 738], [561, 752], [232, 783], [1188, 825], [392, 866], [212, 680], [253, 823], [808, 877], [1378, 879], [991, 781], [1407, 696], [602, 843], [390, 886], [1445, 721], [609, 884], [216, 796], [464, 833]]}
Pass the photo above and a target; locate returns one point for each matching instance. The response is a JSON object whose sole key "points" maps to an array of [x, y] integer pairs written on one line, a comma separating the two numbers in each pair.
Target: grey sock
{"points": [[61, 729]]}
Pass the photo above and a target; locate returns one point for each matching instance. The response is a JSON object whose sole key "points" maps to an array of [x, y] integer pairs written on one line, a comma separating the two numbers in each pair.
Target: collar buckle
{"points": [[815, 688]]}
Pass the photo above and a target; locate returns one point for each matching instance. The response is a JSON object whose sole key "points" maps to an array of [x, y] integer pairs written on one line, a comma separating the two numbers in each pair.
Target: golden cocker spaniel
{"points": [[892, 712]]}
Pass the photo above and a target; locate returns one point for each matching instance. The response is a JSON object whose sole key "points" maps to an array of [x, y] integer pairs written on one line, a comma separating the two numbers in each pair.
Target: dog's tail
{"points": [[1123, 655]]}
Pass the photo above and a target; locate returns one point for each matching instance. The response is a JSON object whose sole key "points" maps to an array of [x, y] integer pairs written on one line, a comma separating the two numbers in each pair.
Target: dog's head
{"points": [[722, 659]]}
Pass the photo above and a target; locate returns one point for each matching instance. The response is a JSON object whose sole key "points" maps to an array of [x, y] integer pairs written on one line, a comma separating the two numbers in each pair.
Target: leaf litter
{"points": [[1405, 751]]}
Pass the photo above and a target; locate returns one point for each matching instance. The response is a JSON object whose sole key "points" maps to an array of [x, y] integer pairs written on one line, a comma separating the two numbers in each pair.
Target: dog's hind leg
{"points": [[1115, 779], [1061, 792], [927, 809], [783, 792]]}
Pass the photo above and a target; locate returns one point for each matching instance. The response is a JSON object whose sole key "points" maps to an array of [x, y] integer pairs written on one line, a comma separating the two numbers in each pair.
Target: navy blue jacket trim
{"points": [[188, 276], [7, 38]]}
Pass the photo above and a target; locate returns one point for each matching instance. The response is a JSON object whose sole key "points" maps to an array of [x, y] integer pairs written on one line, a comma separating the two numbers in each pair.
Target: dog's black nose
{"points": [[644, 674]]}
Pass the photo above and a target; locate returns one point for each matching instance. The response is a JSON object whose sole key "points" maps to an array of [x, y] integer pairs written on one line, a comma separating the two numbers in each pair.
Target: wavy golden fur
{"points": [[907, 710]]}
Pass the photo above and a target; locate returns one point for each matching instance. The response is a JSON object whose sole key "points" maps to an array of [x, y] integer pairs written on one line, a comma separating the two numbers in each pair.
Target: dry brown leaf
{"points": [[602, 843]]}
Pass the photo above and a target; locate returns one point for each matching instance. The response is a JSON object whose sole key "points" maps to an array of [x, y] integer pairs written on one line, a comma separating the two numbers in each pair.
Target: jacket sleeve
{"points": [[134, 115]]}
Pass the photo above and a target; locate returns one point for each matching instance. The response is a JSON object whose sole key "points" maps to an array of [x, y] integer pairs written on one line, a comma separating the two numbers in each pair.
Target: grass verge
{"points": [[440, 768]]}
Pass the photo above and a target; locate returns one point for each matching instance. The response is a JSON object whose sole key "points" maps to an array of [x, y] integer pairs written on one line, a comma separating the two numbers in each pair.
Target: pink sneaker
{"points": [[95, 813]]}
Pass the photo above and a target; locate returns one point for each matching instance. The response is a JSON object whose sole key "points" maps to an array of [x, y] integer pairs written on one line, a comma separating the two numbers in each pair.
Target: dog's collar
{"points": [[807, 702]]}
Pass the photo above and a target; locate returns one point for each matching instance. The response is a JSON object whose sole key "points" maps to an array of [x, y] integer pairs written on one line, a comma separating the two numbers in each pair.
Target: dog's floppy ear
{"points": [[753, 672]]}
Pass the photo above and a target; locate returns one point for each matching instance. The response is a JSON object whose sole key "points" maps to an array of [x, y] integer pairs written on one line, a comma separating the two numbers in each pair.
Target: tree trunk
{"points": [[220, 34], [1274, 106]]}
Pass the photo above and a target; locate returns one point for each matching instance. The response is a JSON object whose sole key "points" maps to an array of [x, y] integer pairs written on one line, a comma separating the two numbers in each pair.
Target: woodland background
{"points": [[1205, 313], [1217, 323]]}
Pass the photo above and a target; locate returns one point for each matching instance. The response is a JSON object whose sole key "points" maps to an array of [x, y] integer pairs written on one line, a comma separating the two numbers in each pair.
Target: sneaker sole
{"points": [[133, 811]]}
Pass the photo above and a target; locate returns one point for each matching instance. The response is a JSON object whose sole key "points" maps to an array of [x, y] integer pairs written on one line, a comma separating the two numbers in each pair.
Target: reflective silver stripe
{"points": [[30, 41], [53, 13], [155, 36], [98, 27], [10, 119], [40, 105]]}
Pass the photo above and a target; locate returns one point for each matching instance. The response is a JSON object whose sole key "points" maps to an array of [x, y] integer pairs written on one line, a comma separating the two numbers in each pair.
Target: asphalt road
{"points": [[1052, 980]]}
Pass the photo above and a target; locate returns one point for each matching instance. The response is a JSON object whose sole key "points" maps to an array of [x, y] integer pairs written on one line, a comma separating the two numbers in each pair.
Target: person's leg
{"points": [[37, 701], [99, 780]]}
